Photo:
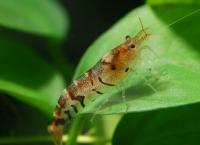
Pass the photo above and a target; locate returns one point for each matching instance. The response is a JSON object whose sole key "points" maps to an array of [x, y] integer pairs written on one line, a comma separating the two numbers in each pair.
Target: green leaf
{"points": [[27, 77], [175, 62], [158, 2], [44, 17], [177, 126]]}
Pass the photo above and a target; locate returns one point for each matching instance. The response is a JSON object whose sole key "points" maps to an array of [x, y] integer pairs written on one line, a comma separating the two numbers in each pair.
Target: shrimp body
{"points": [[108, 71]]}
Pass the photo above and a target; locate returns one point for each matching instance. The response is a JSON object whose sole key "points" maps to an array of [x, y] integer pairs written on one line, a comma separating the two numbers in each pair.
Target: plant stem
{"points": [[75, 129]]}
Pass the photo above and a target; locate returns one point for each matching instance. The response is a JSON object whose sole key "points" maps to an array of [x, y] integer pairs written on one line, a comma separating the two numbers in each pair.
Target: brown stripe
{"points": [[78, 98], [112, 65], [104, 62], [126, 69], [98, 92], [68, 114], [71, 94], [62, 101], [77, 84], [75, 109], [81, 100], [116, 56], [108, 84], [90, 77], [58, 110], [59, 121]]}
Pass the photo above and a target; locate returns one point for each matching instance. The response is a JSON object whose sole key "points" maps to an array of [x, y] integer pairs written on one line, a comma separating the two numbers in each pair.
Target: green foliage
{"points": [[160, 2], [24, 74], [179, 75], [174, 79], [176, 61], [27, 76], [178, 126], [34, 16]]}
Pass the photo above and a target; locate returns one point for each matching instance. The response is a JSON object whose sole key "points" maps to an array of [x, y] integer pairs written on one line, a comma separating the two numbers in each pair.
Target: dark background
{"points": [[89, 19]]}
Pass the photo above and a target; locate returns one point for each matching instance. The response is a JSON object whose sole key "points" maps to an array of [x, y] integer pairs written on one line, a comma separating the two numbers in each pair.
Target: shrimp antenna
{"points": [[142, 25]]}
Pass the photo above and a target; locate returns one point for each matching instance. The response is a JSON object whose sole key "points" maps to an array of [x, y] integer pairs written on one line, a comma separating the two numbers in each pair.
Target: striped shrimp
{"points": [[108, 71]]}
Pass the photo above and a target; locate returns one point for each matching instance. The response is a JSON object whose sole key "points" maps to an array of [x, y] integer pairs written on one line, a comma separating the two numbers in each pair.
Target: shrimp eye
{"points": [[132, 46], [128, 38]]}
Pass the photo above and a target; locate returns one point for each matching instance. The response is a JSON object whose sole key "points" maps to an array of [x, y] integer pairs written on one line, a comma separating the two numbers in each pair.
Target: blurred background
{"points": [[92, 18], [42, 43], [85, 22]]}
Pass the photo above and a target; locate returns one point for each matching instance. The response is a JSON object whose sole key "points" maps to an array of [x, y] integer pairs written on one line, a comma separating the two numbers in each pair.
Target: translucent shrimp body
{"points": [[108, 71]]}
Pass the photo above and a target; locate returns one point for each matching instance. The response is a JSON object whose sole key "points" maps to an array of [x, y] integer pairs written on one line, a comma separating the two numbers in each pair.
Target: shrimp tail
{"points": [[59, 118], [56, 133]]}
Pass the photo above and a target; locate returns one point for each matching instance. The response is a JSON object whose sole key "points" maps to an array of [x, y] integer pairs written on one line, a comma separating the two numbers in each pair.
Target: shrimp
{"points": [[108, 71]]}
